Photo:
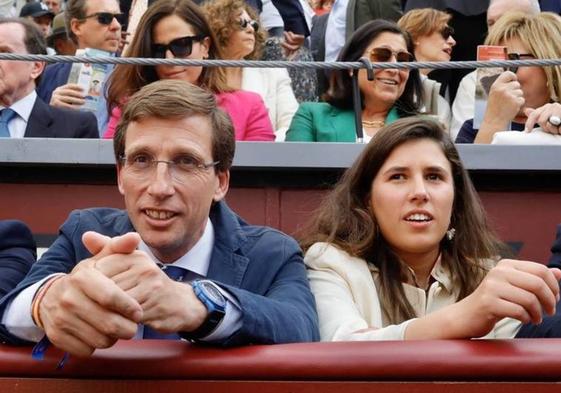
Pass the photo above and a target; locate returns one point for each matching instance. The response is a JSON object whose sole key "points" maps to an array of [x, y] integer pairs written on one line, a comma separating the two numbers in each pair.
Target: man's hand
{"points": [[69, 96], [85, 310], [168, 306], [292, 42]]}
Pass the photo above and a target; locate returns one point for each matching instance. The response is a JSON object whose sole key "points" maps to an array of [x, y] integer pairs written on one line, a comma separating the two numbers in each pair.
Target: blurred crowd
{"points": [[298, 104]]}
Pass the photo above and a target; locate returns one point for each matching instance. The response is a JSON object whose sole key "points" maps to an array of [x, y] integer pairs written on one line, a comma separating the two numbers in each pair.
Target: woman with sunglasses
{"points": [[179, 29], [239, 37], [400, 250], [525, 97], [390, 96], [433, 41]]}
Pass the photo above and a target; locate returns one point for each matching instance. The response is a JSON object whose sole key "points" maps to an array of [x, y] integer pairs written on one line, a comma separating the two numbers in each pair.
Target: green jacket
{"points": [[322, 122]]}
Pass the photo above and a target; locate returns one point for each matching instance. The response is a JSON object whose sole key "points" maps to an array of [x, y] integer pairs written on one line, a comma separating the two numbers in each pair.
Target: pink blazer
{"points": [[246, 109]]}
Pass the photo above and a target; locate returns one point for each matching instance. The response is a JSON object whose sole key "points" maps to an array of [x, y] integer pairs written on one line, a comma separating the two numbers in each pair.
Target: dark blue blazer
{"points": [[263, 268], [53, 76], [555, 259], [17, 253], [46, 121], [292, 15]]}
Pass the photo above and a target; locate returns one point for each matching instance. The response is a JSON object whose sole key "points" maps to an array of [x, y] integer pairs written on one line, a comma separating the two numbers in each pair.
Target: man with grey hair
{"points": [[464, 103]]}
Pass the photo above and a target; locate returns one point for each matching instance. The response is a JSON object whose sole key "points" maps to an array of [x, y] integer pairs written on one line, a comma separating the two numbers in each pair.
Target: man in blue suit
{"points": [[17, 253], [177, 262]]}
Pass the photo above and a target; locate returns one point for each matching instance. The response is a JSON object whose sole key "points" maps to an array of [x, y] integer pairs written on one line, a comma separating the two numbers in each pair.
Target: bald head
{"points": [[498, 7]]}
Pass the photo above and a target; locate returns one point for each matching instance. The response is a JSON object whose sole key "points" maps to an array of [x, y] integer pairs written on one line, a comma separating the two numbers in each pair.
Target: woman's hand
{"points": [[506, 98], [541, 115], [521, 290]]}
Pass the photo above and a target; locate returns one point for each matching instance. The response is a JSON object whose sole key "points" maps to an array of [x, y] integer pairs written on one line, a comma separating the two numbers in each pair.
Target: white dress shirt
{"points": [[17, 316], [335, 30], [18, 124]]}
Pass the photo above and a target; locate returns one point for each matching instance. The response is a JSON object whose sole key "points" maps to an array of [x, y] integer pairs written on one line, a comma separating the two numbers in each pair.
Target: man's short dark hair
{"points": [[75, 9], [174, 99]]}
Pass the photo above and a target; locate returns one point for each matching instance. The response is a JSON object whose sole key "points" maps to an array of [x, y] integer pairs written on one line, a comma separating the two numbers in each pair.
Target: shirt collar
{"points": [[24, 106], [197, 259], [438, 273]]}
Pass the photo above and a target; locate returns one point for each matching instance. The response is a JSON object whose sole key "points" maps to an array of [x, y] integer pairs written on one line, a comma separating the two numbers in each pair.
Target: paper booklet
{"points": [[485, 78], [90, 76]]}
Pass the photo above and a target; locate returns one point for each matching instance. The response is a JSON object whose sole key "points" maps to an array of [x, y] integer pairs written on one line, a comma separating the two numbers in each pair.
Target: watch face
{"points": [[213, 292]]}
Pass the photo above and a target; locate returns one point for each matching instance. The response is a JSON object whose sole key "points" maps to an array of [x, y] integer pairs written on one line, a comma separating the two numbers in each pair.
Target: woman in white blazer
{"points": [[237, 30], [401, 250]]}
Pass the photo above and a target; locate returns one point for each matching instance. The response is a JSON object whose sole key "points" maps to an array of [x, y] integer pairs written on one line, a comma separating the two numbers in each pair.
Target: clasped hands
{"points": [[105, 297]]}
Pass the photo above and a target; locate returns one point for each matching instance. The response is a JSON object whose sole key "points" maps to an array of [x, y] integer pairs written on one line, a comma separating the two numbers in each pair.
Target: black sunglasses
{"points": [[382, 55], [105, 18], [447, 32], [518, 56], [253, 23], [180, 47]]}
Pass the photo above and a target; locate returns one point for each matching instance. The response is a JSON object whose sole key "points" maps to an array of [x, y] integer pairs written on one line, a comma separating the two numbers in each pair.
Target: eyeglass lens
{"points": [[106, 18], [383, 55], [180, 47], [252, 23]]}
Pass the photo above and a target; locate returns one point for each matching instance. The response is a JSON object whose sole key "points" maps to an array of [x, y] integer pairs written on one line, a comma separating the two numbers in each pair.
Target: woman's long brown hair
{"points": [[345, 220]]}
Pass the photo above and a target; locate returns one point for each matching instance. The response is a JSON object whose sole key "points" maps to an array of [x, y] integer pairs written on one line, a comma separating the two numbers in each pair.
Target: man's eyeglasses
{"points": [[105, 18], [383, 55], [180, 47], [253, 23], [181, 168], [447, 32], [518, 56]]}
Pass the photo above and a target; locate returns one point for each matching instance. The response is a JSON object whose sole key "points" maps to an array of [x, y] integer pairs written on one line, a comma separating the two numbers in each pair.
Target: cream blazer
{"points": [[275, 87], [347, 298]]}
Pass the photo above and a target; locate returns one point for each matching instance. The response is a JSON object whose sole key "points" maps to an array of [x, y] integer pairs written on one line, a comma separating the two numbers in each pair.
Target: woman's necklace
{"points": [[373, 123]]}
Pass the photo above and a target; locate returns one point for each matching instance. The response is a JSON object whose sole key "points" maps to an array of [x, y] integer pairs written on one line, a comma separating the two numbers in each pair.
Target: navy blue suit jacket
{"points": [[261, 267], [17, 253], [292, 15], [46, 121]]}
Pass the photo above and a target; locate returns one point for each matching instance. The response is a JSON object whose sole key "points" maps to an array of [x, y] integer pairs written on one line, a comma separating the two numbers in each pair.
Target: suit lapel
{"points": [[228, 263], [40, 121]]}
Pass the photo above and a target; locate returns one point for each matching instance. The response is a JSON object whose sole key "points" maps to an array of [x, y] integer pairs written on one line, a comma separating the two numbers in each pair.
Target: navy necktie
{"points": [[6, 115], [177, 274]]}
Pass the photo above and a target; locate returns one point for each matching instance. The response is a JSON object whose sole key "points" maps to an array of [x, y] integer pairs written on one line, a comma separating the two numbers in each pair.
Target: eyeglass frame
{"points": [[392, 54], [190, 39], [152, 164], [100, 15], [517, 56], [251, 22]]}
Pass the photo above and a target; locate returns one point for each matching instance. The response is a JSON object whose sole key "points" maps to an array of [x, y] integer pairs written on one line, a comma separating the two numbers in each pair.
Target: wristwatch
{"points": [[209, 294]]}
